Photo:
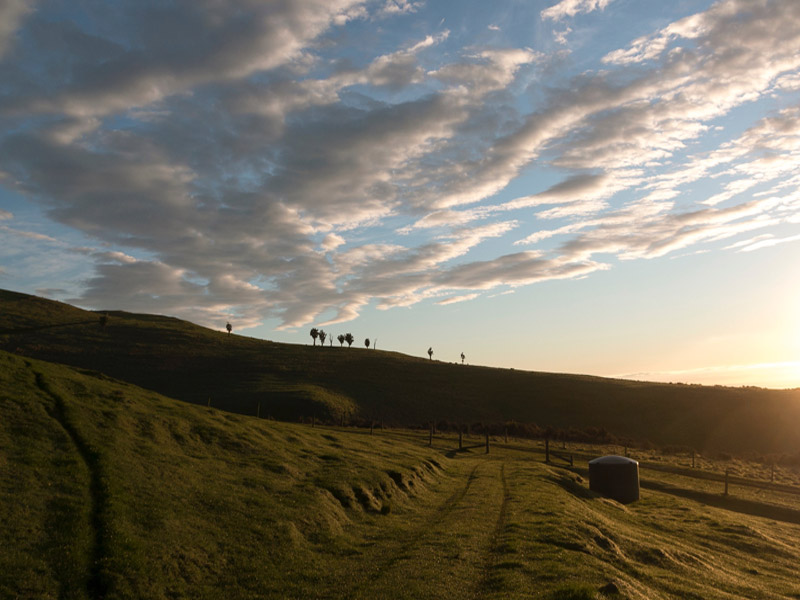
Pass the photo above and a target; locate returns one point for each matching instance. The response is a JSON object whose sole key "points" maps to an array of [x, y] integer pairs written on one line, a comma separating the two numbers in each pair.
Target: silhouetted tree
{"points": [[366, 342], [348, 337], [341, 339], [315, 334], [229, 327], [430, 353], [462, 358], [322, 335]]}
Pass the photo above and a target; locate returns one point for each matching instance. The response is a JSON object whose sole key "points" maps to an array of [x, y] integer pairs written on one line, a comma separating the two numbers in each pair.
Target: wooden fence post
{"points": [[693, 459]]}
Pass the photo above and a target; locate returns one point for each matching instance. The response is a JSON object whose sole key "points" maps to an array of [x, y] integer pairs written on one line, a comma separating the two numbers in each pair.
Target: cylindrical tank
{"points": [[615, 477]]}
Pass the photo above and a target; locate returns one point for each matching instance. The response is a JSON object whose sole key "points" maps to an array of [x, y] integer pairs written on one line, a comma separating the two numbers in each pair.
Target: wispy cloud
{"points": [[570, 8]]}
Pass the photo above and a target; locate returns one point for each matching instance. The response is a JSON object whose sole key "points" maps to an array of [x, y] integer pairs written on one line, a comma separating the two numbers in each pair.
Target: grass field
{"points": [[112, 491], [293, 381]]}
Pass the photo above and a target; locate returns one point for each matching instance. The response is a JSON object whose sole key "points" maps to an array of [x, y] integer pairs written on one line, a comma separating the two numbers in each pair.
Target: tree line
{"points": [[342, 337]]}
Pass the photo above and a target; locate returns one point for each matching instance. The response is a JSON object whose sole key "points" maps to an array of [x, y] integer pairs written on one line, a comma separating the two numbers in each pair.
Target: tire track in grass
{"points": [[96, 584], [414, 539], [494, 552]]}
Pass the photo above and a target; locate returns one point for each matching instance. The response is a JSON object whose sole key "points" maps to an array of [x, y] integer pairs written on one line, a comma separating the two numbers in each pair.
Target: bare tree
{"points": [[315, 334], [341, 339], [430, 353], [322, 335], [348, 337]]}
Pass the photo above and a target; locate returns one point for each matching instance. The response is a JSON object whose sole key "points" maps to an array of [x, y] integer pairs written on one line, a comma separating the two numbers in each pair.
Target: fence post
{"points": [[772, 474], [693, 459], [547, 450]]}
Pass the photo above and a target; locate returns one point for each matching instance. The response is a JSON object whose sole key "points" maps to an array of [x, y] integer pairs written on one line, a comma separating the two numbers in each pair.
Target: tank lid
{"points": [[613, 460]]}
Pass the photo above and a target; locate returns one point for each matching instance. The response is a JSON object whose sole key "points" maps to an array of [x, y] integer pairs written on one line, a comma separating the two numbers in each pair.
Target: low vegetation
{"points": [[109, 490]]}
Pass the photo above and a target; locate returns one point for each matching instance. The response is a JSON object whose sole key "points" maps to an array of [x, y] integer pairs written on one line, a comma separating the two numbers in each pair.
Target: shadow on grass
{"points": [[740, 505], [465, 450], [574, 486]]}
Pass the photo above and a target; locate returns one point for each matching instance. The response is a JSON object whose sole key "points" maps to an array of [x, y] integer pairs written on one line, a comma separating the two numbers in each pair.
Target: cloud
{"points": [[456, 299], [394, 7], [570, 8], [167, 49], [12, 13], [241, 159], [28, 234]]}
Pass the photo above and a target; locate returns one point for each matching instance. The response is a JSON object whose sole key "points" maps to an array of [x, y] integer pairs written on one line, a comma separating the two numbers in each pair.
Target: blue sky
{"points": [[588, 186]]}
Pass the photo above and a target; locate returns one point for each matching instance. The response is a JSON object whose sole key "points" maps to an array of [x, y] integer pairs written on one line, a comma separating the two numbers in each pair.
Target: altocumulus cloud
{"points": [[311, 157]]}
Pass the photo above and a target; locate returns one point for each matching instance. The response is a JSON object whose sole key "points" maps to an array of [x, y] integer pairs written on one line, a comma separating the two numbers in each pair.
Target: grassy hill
{"points": [[111, 491], [292, 382]]}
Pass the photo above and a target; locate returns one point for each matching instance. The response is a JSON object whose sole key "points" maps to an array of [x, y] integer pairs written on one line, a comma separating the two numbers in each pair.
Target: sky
{"points": [[605, 187]]}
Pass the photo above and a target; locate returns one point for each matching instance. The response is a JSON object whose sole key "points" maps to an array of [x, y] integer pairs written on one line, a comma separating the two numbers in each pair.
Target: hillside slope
{"points": [[292, 382], [111, 491]]}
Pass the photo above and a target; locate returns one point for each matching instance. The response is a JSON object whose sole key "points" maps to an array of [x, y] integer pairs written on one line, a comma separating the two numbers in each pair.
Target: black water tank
{"points": [[615, 477]]}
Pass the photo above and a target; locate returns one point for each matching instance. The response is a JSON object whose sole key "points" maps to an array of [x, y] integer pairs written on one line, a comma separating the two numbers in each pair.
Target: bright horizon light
{"points": [[578, 186]]}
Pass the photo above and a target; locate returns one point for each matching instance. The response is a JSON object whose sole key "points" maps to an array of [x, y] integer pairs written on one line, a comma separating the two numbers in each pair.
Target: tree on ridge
{"points": [[341, 339], [366, 342], [348, 337], [430, 353], [314, 334], [322, 335]]}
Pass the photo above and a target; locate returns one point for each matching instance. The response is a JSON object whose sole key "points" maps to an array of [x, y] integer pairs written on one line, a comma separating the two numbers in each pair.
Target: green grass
{"points": [[293, 381], [109, 490]]}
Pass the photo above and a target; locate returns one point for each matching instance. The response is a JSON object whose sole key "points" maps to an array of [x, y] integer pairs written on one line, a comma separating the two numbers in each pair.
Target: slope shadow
{"points": [[740, 505]]}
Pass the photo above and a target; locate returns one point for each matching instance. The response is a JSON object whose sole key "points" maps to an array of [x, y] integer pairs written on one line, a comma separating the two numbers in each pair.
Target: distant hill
{"points": [[291, 382]]}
